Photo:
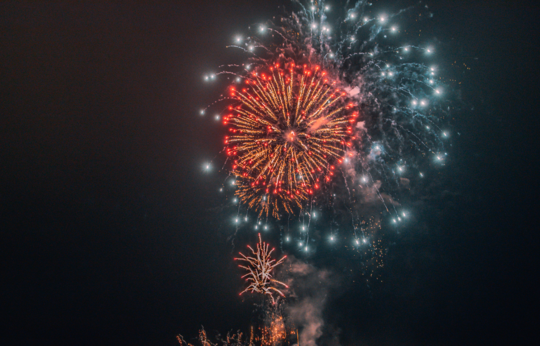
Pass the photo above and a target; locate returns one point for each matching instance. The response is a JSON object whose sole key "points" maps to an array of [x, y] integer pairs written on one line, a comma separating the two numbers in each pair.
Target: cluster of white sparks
{"points": [[260, 266]]}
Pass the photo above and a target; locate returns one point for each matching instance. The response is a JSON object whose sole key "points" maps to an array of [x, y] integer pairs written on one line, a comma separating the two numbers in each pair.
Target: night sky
{"points": [[114, 236]]}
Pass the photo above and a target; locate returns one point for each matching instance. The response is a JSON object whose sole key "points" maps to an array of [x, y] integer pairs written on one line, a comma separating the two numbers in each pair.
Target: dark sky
{"points": [[111, 232]]}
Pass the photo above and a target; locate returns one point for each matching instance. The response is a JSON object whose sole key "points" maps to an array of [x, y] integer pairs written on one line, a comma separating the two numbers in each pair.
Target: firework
{"points": [[289, 127], [328, 91], [260, 267]]}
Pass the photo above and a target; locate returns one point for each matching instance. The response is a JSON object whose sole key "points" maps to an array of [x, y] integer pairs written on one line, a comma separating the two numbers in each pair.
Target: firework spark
{"points": [[288, 129], [260, 267]]}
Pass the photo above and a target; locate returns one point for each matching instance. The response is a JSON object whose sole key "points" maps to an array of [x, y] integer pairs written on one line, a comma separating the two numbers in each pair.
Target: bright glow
{"points": [[366, 19], [245, 219], [406, 49], [364, 179], [314, 26], [403, 214], [238, 39], [394, 29], [445, 134], [332, 238], [421, 175], [250, 48], [431, 81], [394, 220], [326, 8], [287, 239], [423, 102], [357, 242], [207, 167], [353, 15], [352, 38], [437, 91], [364, 240], [265, 227], [217, 117], [234, 200], [236, 220], [202, 112], [305, 249], [382, 19], [414, 102], [303, 228], [261, 29]]}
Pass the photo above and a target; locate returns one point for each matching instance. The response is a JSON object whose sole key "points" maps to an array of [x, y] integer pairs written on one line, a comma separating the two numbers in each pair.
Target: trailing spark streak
{"points": [[260, 267], [287, 130]]}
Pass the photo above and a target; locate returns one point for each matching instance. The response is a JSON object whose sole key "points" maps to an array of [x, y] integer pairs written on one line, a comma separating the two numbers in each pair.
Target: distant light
{"points": [[399, 218], [221, 190], [352, 38], [314, 214], [306, 248], [245, 219], [404, 214], [303, 228], [406, 49], [301, 243], [364, 179], [414, 102], [331, 55], [205, 77], [314, 26], [431, 81], [390, 74], [256, 227], [364, 240], [382, 19], [421, 175], [217, 117], [423, 102], [394, 220], [250, 48], [429, 50], [233, 182], [287, 239], [332, 238], [261, 29], [394, 29], [234, 200], [326, 8], [439, 158], [437, 91], [207, 167], [352, 15], [238, 80], [238, 39], [357, 242], [202, 112], [366, 19], [445, 134], [265, 227], [427, 127], [236, 220]]}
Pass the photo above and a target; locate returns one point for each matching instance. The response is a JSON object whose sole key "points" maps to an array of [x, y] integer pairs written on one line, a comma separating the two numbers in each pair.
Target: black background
{"points": [[104, 212]]}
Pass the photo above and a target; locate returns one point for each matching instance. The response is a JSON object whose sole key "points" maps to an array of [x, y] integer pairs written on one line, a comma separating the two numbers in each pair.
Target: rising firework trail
{"points": [[260, 266]]}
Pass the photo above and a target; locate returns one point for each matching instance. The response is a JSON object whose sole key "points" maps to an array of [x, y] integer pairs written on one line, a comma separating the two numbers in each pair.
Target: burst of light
{"points": [[382, 19], [332, 238], [352, 15], [303, 228], [238, 80], [366, 19], [313, 115], [261, 29], [406, 49], [207, 167], [314, 26], [260, 267]]}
